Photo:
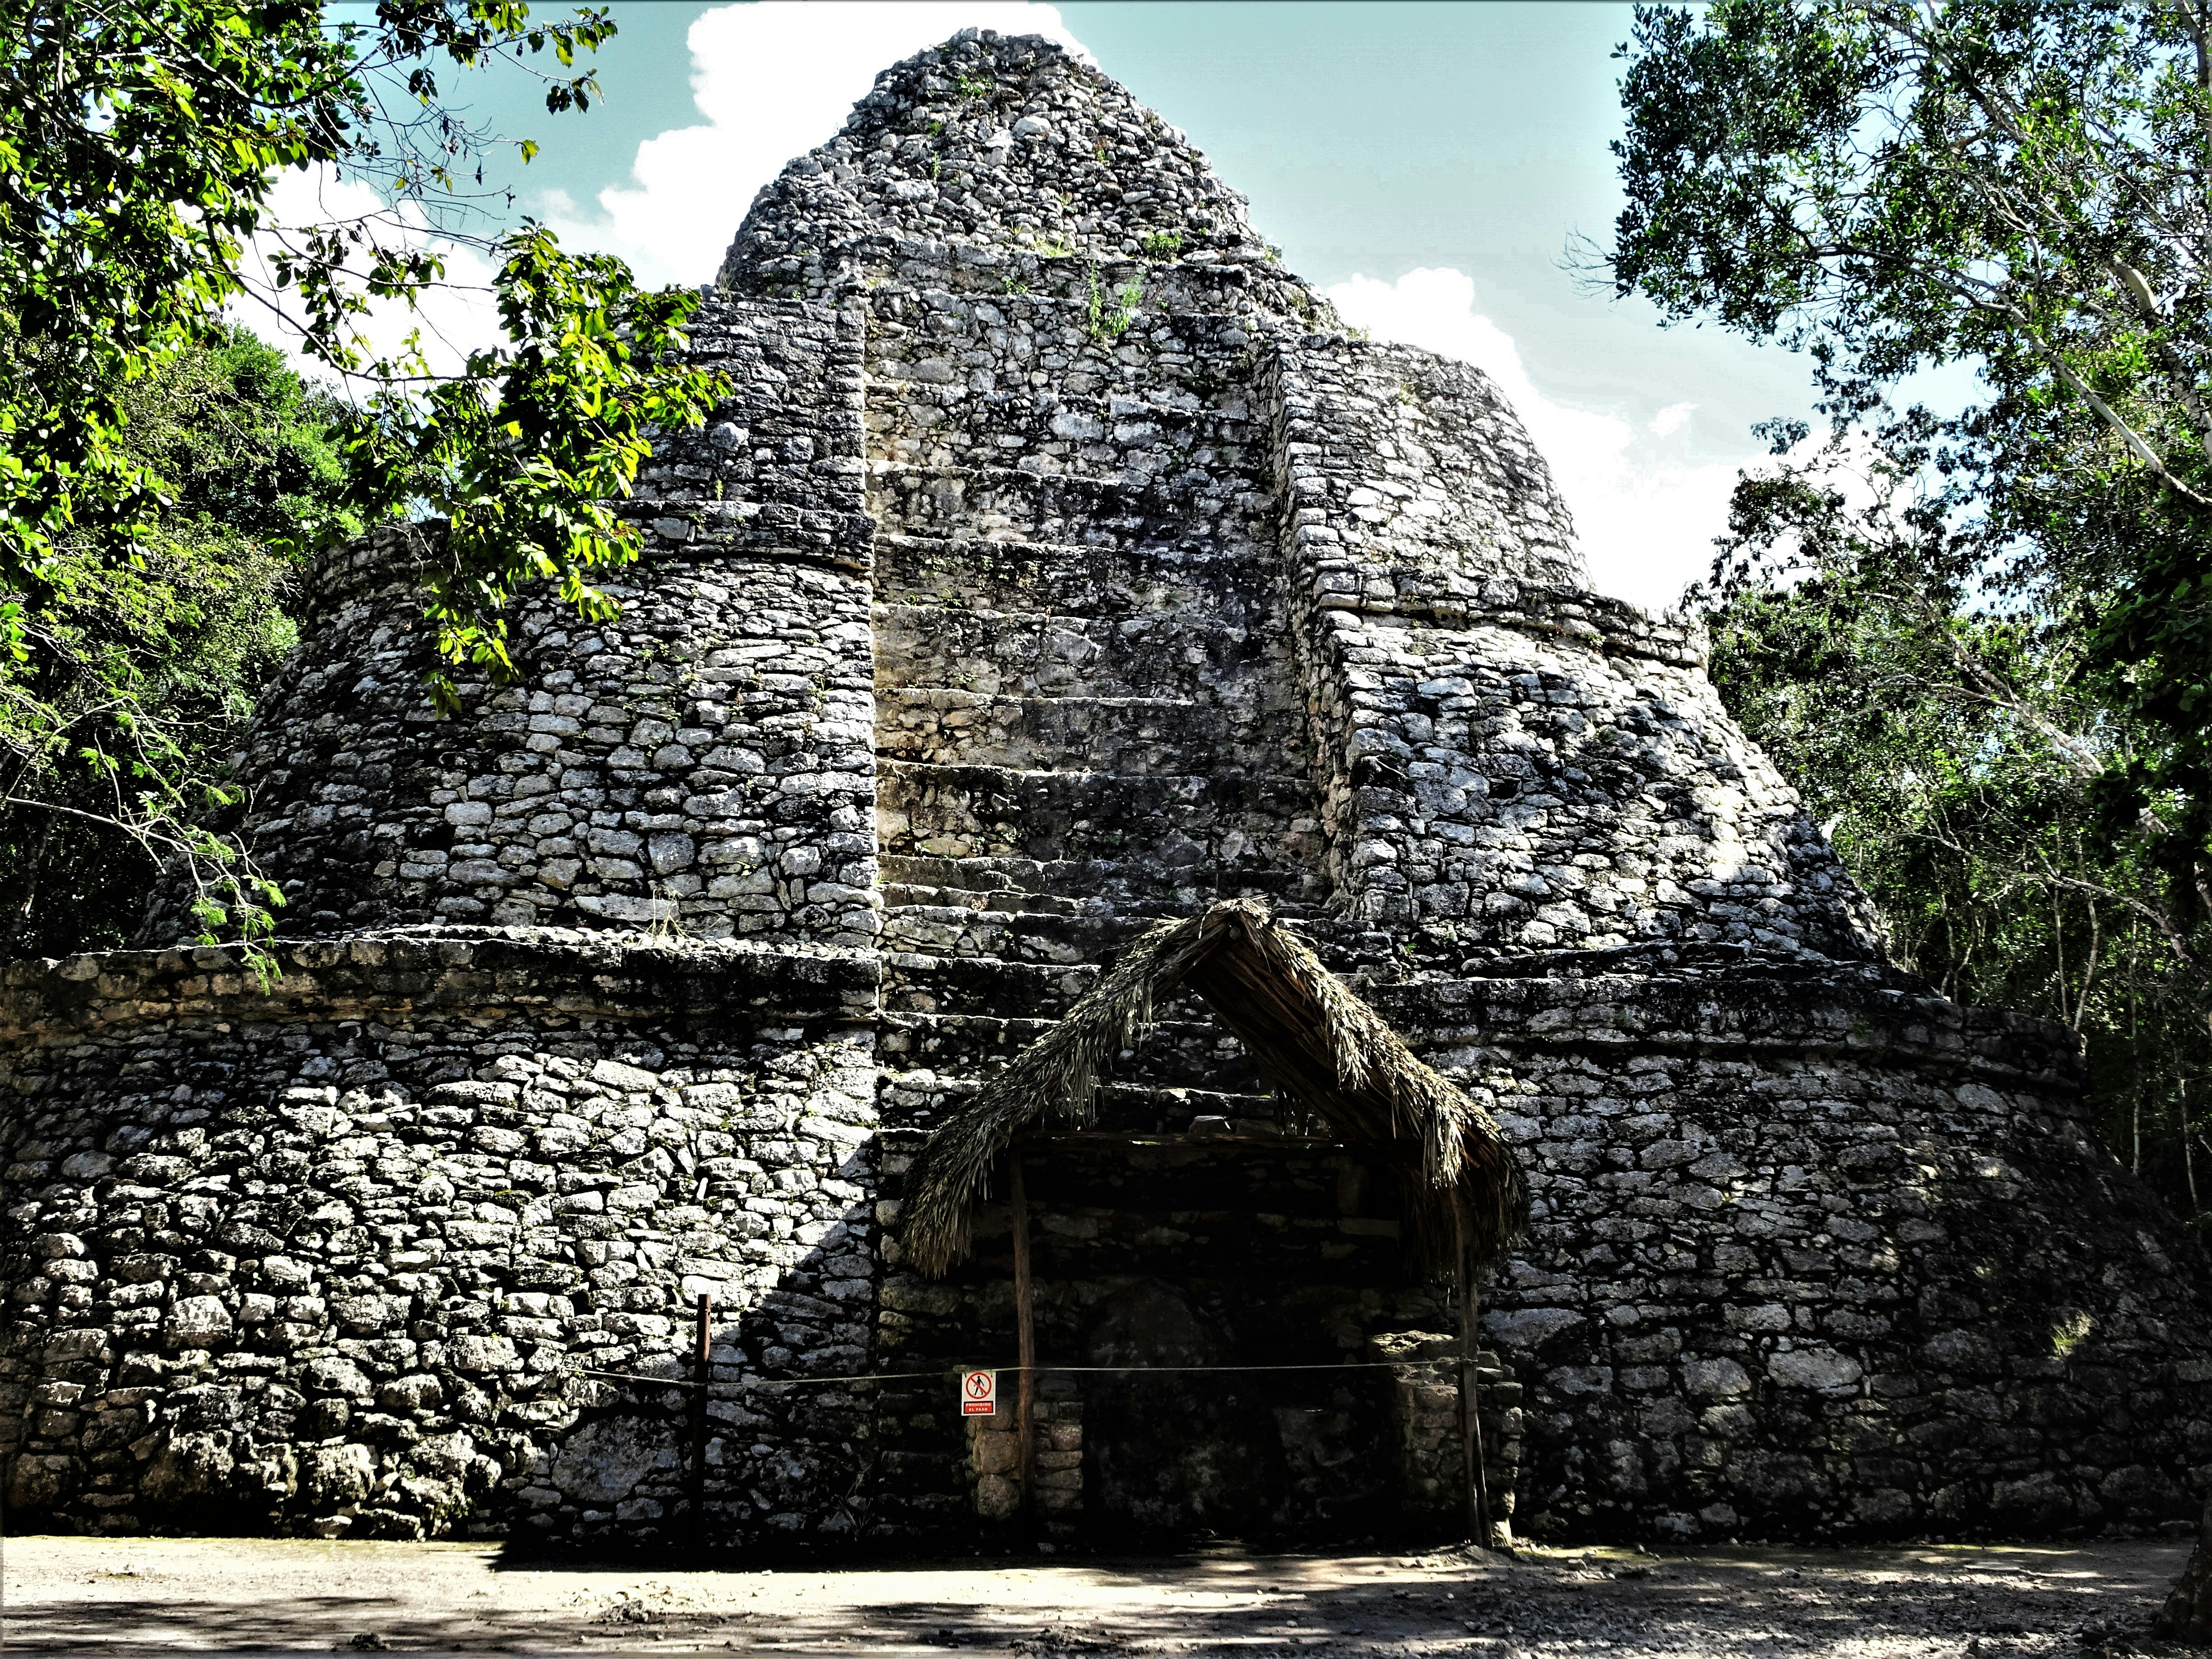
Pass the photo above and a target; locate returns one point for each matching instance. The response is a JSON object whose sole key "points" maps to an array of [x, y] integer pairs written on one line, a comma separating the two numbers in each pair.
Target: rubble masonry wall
{"points": [[1056, 564], [336, 1259]]}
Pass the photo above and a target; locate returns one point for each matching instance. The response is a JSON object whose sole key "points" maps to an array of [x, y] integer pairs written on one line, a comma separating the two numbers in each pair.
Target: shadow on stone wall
{"points": [[337, 1276]]}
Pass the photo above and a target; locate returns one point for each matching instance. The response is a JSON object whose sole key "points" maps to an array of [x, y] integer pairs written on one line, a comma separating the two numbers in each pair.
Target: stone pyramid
{"points": [[1057, 563]]}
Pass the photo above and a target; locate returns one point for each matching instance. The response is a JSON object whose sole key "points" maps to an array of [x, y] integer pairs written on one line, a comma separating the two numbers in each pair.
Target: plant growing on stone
{"points": [[1107, 319], [525, 454], [1162, 244]]}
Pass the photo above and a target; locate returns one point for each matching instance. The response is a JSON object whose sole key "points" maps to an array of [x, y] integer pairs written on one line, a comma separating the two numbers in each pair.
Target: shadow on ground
{"points": [[244, 1595]]}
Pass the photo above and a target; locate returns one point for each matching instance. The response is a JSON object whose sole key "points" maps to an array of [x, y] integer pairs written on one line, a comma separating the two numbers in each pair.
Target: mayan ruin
{"points": [[1062, 592]]}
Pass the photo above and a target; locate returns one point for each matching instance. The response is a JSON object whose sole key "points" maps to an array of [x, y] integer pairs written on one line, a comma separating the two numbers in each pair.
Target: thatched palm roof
{"points": [[1305, 1028]]}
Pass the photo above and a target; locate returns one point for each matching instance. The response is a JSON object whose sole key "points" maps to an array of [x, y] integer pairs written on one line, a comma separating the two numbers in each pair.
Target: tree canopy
{"points": [[1948, 750], [138, 673], [2015, 184], [141, 144], [1979, 638]]}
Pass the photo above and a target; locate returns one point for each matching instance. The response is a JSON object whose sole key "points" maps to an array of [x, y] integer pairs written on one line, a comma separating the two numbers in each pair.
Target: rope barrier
{"points": [[942, 1371], [761, 1382], [1340, 1365]]}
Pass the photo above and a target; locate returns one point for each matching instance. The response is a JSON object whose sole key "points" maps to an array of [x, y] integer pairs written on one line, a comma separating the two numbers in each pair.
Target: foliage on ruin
{"points": [[527, 455], [1887, 186], [141, 147]]}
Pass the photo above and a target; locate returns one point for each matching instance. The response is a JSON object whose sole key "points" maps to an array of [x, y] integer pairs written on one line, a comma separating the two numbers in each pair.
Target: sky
{"points": [[1428, 166]]}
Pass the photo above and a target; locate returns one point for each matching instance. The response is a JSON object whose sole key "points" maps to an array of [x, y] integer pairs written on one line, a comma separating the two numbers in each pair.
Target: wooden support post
{"points": [[1024, 1337], [702, 1375], [1470, 1412]]}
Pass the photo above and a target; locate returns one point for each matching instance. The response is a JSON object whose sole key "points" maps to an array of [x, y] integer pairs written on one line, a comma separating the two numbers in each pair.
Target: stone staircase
{"points": [[1087, 715]]}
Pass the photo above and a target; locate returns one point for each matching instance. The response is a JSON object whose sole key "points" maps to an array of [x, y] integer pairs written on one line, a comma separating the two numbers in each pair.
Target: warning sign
{"points": [[979, 1393]]}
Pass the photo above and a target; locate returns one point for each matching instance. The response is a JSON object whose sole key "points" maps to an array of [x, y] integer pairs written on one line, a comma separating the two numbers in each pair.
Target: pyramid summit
{"points": [[991, 145], [1057, 567]]}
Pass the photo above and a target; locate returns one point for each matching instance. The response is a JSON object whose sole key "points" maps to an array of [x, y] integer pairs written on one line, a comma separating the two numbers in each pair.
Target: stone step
{"points": [[1132, 735], [937, 402], [1071, 886], [991, 278], [915, 983], [1200, 831], [935, 339], [1242, 585], [1011, 901], [951, 388], [1001, 993], [998, 504], [913, 922], [956, 930], [917, 1099], [1199, 659], [1188, 1048]]}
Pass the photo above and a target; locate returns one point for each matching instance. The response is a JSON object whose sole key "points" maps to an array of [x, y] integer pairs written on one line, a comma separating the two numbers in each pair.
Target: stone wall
{"points": [[986, 147], [1820, 1254], [337, 1258], [1427, 1425], [1509, 767], [701, 762]]}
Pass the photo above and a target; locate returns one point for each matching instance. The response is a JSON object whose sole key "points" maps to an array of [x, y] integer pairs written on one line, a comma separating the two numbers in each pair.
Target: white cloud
{"points": [[1646, 506], [773, 80], [455, 317]]}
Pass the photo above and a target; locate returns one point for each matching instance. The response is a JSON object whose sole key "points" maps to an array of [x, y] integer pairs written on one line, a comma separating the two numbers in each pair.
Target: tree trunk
{"points": [[19, 926], [2187, 1615]]}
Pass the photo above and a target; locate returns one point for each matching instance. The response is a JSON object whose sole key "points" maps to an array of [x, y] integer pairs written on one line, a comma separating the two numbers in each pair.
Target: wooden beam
{"points": [[1164, 1138], [1024, 1336], [702, 1375], [1470, 1408]]}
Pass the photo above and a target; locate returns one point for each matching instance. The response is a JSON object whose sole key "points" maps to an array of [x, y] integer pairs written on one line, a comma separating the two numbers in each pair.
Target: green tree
{"points": [[143, 672], [2015, 184], [1950, 749], [140, 145], [2015, 716]]}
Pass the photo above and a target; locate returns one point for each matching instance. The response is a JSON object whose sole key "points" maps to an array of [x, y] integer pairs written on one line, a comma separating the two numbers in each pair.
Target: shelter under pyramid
{"points": [[1060, 586]]}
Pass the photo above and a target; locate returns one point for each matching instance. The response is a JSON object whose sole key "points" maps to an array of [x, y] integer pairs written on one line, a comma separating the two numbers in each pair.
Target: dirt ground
{"points": [[118, 1595]]}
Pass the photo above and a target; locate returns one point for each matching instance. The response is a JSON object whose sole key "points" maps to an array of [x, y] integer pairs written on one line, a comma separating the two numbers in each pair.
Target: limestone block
{"points": [[190, 1466], [196, 1321], [333, 1476]]}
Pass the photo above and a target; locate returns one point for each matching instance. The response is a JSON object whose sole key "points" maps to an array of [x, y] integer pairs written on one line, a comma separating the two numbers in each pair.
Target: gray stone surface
{"points": [[1056, 564]]}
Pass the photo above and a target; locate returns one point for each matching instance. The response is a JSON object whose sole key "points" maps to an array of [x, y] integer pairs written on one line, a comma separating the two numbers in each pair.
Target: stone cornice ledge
{"points": [[1805, 1013], [471, 971]]}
